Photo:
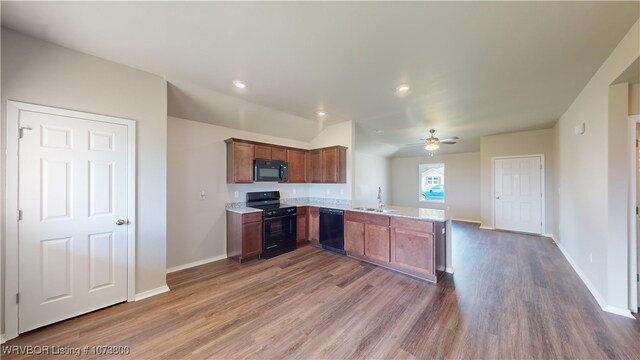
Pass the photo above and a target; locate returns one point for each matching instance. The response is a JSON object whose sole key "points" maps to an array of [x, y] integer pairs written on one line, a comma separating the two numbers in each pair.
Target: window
{"points": [[431, 182]]}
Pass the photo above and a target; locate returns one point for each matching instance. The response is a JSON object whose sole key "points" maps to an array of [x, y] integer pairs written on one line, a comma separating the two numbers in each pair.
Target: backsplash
{"points": [[294, 201]]}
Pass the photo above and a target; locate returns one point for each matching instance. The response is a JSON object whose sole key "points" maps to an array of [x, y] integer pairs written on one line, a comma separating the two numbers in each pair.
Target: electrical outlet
{"points": [[341, 191], [294, 191], [236, 194], [203, 195], [591, 257]]}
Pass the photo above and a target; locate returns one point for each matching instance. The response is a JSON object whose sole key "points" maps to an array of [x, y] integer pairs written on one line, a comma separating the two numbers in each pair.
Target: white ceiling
{"points": [[475, 68]]}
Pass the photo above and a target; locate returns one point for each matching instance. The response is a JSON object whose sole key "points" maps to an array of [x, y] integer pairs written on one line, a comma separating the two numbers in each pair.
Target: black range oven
{"points": [[279, 223]]}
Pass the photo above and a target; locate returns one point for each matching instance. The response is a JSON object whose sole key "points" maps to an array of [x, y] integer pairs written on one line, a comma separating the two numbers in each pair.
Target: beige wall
{"points": [[37, 72], [370, 172], [196, 229], [634, 99], [513, 144], [462, 179], [583, 229]]}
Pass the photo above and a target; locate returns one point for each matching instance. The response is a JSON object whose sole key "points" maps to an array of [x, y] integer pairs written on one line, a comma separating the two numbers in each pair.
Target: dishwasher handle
{"points": [[331, 211]]}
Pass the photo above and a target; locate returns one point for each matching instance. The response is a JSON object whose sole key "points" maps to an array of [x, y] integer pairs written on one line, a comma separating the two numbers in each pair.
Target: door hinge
{"points": [[18, 298], [21, 130], [638, 277], [636, 142], [636, 210], [19, 215]]}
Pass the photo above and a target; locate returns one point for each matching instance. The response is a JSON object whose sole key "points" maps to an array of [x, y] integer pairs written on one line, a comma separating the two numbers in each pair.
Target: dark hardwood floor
{"points": [[512, 296]]}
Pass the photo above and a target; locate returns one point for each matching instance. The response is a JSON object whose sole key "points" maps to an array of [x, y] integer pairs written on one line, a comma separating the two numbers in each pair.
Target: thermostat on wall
{"points": [[580, 129]]}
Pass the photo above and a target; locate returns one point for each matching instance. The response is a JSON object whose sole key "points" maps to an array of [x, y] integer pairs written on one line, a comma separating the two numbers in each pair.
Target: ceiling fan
{"points": [[433, 143]]}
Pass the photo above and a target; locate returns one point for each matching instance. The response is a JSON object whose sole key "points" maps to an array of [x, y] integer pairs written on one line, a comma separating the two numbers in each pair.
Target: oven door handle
{"points": [[281, 217]]}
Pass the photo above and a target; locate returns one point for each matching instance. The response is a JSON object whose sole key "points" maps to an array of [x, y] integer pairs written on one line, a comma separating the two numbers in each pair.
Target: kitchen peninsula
{"points": [[413, 241]]}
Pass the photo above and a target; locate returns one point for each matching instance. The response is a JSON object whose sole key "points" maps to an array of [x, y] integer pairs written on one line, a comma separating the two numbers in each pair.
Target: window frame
{"points": [[440, 181]]}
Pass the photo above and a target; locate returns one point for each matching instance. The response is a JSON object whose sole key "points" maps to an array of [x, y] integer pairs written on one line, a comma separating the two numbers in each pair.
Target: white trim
{"points": [[487, 227], [450, 270], [596, 294], [152, 292], [2, 339], [619, 311], [468, 221], [543, 186], [633, 236], [549, 236], [196, 263], [11, 254]]}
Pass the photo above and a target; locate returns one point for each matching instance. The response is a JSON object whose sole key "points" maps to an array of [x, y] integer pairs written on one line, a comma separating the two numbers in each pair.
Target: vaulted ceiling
{"points": [[474, 68]]}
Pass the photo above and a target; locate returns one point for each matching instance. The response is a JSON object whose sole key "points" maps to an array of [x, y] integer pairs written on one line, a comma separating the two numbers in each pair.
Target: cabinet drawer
{"points": [[412, 225], [252, 217], [381, 220]]}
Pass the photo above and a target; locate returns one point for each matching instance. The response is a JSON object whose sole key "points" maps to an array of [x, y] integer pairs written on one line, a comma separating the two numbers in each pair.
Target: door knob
{"points": [[497, 197], [121, 222]]}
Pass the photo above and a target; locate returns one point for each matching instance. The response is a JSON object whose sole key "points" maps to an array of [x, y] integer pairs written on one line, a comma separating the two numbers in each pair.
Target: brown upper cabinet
{"points": [[279, 154], [262, 152], [315, 166], [239, 163], [297, 165], [326, 165], [334, 165]]}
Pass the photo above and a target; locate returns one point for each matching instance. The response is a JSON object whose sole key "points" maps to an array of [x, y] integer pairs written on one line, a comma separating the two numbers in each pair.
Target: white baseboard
{"points": [[468, 221], [445, 269], [550, 236], [195, 263], [596, 294], [152, 292], [487, 227], [618, 311]]}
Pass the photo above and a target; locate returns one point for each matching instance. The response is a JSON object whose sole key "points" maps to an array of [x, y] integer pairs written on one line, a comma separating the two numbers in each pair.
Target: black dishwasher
{"points": [[332, 230]]}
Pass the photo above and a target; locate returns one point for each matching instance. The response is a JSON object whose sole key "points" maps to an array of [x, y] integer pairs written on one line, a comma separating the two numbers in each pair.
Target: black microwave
{"points": [[268, 170]]}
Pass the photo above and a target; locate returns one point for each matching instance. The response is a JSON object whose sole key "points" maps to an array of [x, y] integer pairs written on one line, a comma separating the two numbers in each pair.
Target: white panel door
{"points": [[72, 189], [518, 194]]}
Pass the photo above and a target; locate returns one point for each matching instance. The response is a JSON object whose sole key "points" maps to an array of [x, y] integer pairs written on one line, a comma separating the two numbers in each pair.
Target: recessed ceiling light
{"points": [[403, 88], [239, 84], [321, 113]]}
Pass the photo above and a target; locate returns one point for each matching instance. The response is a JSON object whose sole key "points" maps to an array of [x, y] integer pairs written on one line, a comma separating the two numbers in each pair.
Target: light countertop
{"points": [[397, 211]]}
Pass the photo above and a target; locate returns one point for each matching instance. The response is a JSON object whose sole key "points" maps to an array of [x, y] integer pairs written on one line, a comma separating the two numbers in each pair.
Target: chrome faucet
{"points": [[380, 204]]}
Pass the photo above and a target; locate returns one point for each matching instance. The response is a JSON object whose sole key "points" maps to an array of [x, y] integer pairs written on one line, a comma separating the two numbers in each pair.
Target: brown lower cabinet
{"points": [[314, 224], [244, 236], [302, 233], [405, 245]]}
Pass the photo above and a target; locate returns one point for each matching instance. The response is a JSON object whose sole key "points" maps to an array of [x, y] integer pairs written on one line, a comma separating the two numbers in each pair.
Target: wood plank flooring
{"points": [[512, 296]]}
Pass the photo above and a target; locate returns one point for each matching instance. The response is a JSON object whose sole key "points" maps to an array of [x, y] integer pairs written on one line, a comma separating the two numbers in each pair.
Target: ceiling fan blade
{"points": [[448, 142], [454, 138]]}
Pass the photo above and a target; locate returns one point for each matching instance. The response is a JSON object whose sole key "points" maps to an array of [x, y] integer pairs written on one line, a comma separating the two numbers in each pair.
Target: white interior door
{"points": [[72, 189], [518, 194]]}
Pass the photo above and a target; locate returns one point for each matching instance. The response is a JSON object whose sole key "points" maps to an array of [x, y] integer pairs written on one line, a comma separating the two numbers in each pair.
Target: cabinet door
{"points": [[354, 238], [251, 239], [376, 242], [314, 224], [296, 160], [243, 163], [278, 154], [263, 152], [412, 250], [315, 166], [330, 165], [301, 229]]}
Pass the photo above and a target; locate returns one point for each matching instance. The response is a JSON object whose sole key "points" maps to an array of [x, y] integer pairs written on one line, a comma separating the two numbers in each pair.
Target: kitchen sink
{"points": [[364, 209], [383, 211]]}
